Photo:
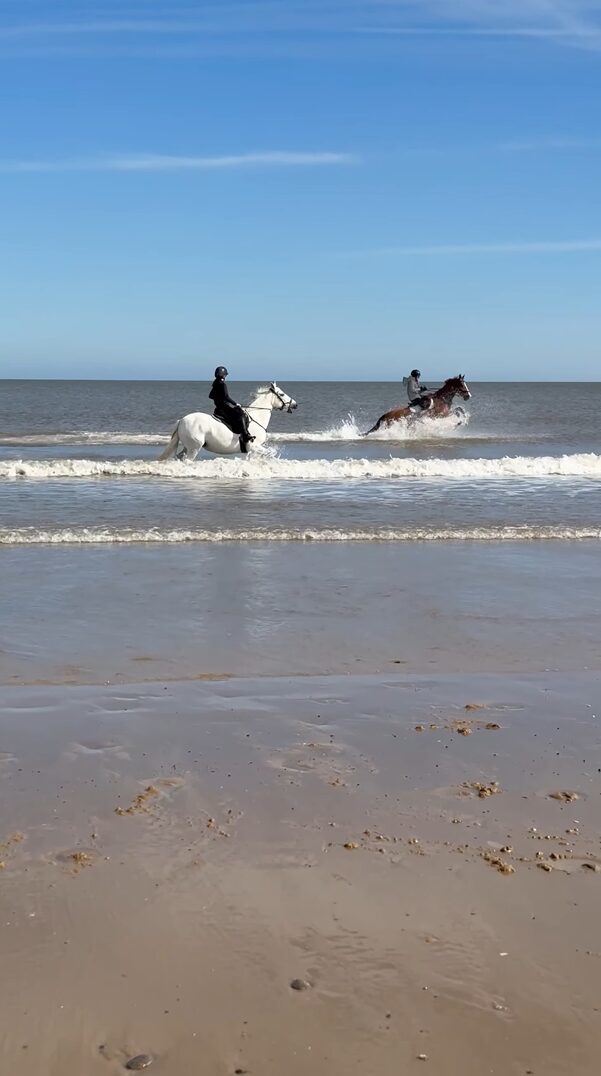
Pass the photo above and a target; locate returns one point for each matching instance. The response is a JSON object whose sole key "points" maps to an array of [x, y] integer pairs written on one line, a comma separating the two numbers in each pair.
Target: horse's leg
{"points": [[190, 450], [374, 428], [189, 445]]}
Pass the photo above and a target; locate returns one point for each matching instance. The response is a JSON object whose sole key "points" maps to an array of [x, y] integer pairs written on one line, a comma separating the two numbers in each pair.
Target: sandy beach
{"points": [[184, 837]]}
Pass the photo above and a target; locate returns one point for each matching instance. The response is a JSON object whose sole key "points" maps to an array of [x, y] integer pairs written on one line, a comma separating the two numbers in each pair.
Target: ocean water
{"points": [[78, 464]]}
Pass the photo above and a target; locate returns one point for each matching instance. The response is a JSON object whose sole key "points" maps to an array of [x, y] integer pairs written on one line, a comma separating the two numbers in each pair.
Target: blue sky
{"points": [[332, 188]]}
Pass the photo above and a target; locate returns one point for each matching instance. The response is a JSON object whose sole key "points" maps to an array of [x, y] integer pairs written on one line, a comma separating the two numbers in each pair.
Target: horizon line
{"points": [[313, 380]]}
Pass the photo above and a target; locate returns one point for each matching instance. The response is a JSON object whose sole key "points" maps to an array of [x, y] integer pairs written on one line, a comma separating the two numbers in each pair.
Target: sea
{"points": [[79, 465]]}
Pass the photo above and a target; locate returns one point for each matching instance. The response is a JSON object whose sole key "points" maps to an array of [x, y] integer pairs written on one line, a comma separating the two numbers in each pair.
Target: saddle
{"points": [[221, 419], [235, 431]]}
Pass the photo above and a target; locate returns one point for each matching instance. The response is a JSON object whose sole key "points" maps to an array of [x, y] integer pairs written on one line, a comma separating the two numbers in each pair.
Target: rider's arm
{"points": [[220, 396]]}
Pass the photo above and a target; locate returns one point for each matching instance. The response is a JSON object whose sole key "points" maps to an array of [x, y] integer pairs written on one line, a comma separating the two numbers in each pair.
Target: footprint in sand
{"points": [[96, 749], [324, 759]]}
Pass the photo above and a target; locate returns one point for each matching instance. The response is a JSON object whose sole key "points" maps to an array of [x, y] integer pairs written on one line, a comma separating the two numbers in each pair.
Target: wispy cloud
{"points": [[534, 145], [567, 22], [158, 162], [467, 31], [552, 246], [107, 27]]}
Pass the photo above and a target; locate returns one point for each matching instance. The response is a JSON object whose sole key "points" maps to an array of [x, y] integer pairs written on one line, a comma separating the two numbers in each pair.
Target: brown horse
{"points": [[440, 405]]}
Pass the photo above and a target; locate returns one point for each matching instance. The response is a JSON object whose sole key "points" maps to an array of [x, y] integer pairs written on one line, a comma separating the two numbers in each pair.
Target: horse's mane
{"points": [[262, 390], [450, 381]]}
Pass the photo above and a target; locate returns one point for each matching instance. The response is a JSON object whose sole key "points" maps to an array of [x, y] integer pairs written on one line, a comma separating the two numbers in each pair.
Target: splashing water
{"points": [[351, 430]]}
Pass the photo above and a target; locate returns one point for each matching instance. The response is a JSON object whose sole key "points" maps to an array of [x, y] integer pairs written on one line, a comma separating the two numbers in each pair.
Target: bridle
{"points": [[453, 388], [279, 396]]}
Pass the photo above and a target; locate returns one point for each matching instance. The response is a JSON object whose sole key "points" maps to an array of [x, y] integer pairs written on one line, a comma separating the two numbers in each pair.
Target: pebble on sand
{"points": [[300, 984], [139, 1062]]}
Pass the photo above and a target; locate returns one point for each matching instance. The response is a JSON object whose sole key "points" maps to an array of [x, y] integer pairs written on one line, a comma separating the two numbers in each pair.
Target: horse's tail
{"points": [[171, 448]]}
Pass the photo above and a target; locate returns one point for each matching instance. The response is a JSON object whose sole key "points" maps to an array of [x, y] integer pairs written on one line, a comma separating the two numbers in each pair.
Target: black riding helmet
{"points": [[221, 372], [416, 373]]}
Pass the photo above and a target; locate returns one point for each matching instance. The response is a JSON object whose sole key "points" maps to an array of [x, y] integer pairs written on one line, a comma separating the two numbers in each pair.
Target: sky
{"points": [[300, 188]]}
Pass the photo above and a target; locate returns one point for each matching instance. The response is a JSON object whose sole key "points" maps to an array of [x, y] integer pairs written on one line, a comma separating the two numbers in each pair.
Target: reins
{"points": [[253, 407]]}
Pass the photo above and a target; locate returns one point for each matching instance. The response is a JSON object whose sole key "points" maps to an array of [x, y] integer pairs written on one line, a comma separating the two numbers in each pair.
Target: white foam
{"points": [[81, 437], [263, 466], [351, 430], [108, 535], [348, 430]]}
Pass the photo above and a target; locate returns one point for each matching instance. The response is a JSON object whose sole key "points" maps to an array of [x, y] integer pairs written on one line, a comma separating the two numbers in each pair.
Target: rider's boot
{"points": [[245, 438]]}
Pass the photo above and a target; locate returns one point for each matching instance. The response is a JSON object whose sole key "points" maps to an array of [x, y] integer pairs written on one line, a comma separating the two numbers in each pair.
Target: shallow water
{"points": [[89, 613], [78, 463]]}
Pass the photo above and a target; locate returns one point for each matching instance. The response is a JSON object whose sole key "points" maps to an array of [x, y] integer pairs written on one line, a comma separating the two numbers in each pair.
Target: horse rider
{"points": [[417, 393], [230, 412]]}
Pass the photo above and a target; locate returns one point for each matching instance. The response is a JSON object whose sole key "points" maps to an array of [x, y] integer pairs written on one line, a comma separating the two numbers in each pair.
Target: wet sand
{"points": [[410, 847], [194, 816], [92, 614]]}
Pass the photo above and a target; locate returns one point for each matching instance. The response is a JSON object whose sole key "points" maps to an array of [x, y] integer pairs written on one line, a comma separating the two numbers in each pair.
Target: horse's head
{"points": [[280, 399], [458, 387]]}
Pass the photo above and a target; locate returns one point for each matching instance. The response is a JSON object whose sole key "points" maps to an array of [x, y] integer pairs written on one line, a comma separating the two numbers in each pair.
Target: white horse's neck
{"points": [[261, 407]]}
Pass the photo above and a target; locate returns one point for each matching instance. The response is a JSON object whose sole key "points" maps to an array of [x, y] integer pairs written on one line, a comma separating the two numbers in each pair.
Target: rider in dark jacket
{"points": [[228, 410]]}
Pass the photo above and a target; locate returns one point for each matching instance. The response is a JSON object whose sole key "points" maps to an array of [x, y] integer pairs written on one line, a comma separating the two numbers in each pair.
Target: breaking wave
{"points": [[264, 466], [347, 430], [80, 437], [114, 536]]}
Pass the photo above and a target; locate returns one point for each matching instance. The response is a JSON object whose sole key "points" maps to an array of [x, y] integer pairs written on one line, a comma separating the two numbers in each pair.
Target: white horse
{"points": [[200, 430]]}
